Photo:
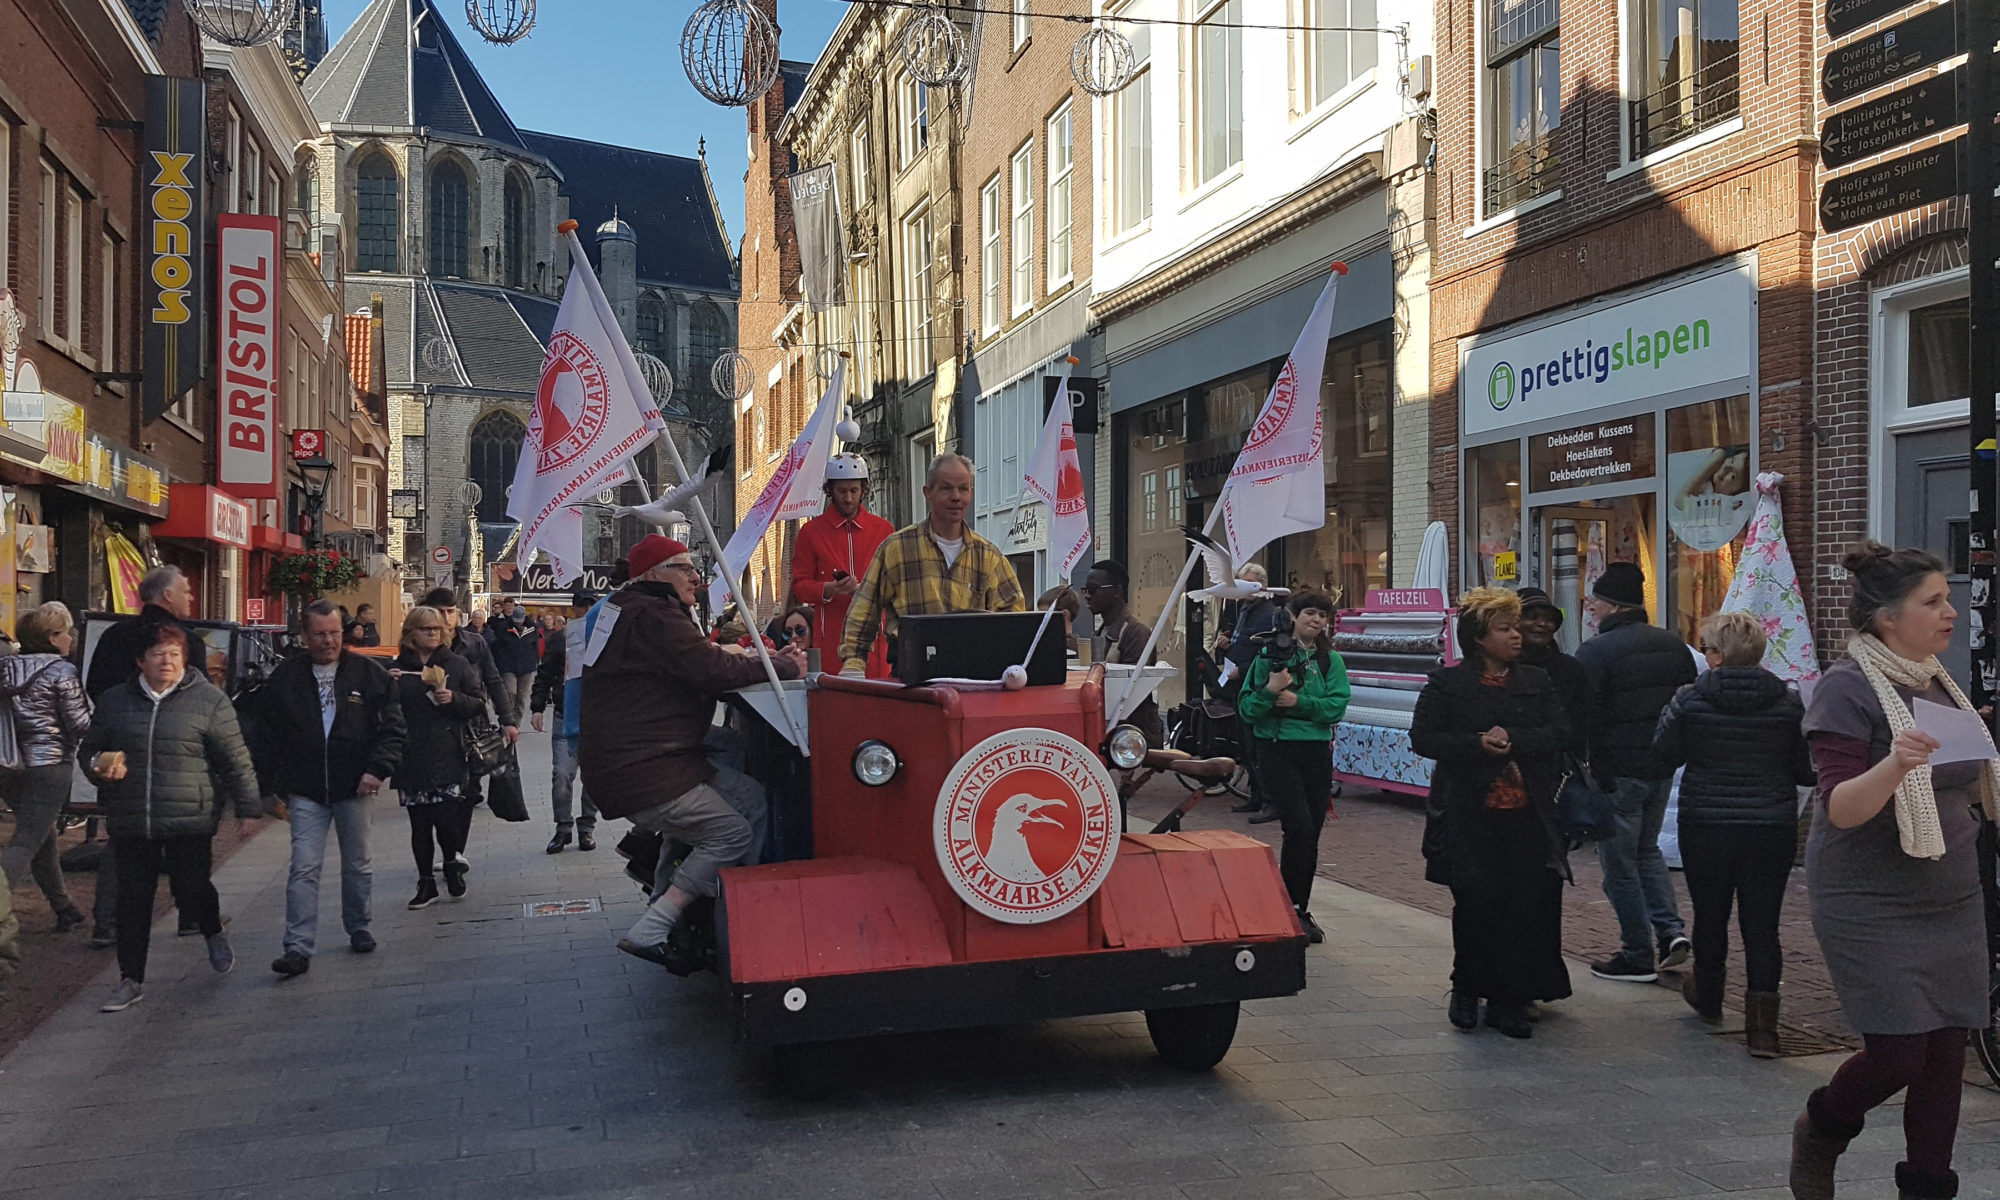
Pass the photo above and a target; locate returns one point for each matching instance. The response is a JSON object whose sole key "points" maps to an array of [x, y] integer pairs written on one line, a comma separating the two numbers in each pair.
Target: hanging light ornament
{"points": [[438, 358], [659, 380], [934, 49], [730, 52], [826, 361], [1103, 61], [502, 22], [242, 22], [730, 374]]}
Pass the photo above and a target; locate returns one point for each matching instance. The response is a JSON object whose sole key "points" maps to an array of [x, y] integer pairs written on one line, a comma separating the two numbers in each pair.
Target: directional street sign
{"points": [[1893, 120], [1904, 48], [1845, 16], [1887, 188]]}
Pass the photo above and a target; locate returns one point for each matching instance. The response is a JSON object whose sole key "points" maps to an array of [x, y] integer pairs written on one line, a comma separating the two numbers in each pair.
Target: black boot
{"points": [[1816, 1149], [1703, 992], [1463, 1011], [1912, 1184], [561, 839], [1510, 1018]]}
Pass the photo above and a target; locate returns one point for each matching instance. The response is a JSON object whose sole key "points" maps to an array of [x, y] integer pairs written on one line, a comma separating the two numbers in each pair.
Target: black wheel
{"points": [[810, 1070], [1986, 1043], [1193, 1038]]}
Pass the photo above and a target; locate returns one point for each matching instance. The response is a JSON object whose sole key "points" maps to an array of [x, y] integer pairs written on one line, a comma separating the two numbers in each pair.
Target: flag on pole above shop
{"points": [[1278, 485], [592, 413], [793, 491], [1055, 477]]}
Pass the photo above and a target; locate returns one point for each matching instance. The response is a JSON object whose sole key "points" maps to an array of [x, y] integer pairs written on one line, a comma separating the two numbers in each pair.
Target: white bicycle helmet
{"points": [[846, 466]]}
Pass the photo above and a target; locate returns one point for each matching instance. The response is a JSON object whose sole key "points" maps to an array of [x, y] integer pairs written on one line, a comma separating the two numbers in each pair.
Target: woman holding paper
{"points": [[441, 694], [1894, 877]]}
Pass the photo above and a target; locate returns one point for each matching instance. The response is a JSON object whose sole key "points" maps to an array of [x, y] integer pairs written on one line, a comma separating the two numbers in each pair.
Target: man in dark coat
{"points": [[516, 645], [650, 683], [1633, 668], [329, 736]]}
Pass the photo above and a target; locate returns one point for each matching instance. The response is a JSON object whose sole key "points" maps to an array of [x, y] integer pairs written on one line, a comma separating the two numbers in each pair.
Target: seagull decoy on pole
{"points": [[1222, 581]]}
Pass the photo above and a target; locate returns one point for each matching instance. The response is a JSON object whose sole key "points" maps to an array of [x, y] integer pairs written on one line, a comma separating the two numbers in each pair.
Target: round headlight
{"points": [[1126, 747], [874, 763]]}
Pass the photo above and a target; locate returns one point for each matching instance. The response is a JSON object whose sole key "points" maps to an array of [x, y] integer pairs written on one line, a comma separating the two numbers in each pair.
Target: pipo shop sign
{"points": [[1697, 335], [246, 461]]}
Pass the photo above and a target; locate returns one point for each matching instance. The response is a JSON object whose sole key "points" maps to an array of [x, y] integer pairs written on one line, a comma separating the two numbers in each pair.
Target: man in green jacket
{"points": [[1293, 695]]}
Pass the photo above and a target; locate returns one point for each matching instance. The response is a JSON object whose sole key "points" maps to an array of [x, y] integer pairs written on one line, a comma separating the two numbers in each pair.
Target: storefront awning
{"points": [[277, 541], [199, 512]]}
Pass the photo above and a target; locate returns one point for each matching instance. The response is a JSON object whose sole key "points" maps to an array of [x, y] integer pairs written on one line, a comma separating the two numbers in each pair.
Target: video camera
{"points": [[1277, 642]]}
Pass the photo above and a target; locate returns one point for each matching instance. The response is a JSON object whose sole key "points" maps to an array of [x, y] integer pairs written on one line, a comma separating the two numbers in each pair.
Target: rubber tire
{"points": [[1193, 1038], [809, 1070]]}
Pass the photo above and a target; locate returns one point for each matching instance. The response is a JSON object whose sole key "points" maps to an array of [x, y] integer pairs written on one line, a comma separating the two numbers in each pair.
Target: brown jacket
{"points": [[649, 697]]}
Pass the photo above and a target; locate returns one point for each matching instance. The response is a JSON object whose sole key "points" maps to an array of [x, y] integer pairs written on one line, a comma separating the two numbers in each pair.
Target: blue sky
{"points": [[610, 71]]}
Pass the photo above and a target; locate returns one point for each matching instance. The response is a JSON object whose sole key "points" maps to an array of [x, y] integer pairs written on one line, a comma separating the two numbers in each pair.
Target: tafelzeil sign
{"points": [[1697, 334]]}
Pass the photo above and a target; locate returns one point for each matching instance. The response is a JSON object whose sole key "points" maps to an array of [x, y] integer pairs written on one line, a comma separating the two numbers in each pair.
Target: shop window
{"points": [[1343, 48], [1218, 89], [495, 449], [1709, 501], [1940, 341], [1493, 504], [514, 218], [1149, 488], [451, 206], [378, 224], [1132, 137], [1523, 100], [1684, 62]]}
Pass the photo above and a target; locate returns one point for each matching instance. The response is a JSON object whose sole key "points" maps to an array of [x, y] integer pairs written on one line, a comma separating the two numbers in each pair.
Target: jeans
{"points": [[37, 796], [562, 785], [1635, 875], [187, 862], [1751, 866], [1298, 785], [310, 820]]}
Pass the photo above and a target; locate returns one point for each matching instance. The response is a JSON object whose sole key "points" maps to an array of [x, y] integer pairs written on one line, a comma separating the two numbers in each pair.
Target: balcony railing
{"points": [[1685, 106], [1525, 173]]}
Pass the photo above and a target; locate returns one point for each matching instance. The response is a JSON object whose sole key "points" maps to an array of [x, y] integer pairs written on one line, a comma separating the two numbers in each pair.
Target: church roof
{"points": [[662, 197], [398, 65], [484, 339]]}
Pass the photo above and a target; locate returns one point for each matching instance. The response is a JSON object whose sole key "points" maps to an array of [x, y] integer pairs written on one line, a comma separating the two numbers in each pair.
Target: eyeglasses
{"points": [[795, 631], [428, 628]]}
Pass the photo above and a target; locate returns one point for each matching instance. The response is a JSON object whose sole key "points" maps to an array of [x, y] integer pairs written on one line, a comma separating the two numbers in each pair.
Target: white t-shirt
{"points": [[950, 549], [323, 677]]}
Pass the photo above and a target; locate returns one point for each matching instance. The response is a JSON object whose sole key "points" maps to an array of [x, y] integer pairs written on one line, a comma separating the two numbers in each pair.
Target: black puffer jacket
{"points": [[1633, 669], [295, 754], [184, 756], [1736, 729], [434, 746]]}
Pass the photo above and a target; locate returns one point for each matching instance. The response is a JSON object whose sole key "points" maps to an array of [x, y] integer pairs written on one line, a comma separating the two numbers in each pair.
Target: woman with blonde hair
{"points": [[1892, 866], [1736, 730], [1497, 730], [51, 715], [441, 695]]}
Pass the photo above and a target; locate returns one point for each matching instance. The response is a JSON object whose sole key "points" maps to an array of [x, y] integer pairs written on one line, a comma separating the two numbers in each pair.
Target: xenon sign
{"points": [[171, 172], [249, 260]]}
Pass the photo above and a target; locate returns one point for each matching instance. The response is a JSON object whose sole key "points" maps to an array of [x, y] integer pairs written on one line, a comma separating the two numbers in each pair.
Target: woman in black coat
{"points": [[432, 779], [1496, 730]]}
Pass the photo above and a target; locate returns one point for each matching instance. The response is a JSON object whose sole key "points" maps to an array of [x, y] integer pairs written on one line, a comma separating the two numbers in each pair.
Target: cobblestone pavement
{"points": [[1372, 843], [483, 1056]]}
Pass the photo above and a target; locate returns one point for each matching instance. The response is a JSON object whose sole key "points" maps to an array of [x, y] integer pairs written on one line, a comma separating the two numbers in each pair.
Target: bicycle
{"points": [[1207, 729]]}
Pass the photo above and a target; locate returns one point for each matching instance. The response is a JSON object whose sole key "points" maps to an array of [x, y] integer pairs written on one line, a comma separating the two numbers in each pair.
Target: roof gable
{"points": [[398, 65]]}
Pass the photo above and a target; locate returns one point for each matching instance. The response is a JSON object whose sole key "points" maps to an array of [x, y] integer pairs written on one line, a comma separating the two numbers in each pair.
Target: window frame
{"points": [[913, 111], [1061, 186], [1495, 56], [991, 263], [1349, 38], [857, 154], [1232, 39], [1021, 25], [1640, 18], [919, 266], [392, 242], [108, 246], [439, 241], [232, 152], [1021, 227], [45, 258], [1136, 94], [75, 204], [6, 191]]}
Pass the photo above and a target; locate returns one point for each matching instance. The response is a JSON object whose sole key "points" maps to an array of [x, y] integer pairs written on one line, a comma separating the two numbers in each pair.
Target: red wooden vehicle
{"points": [[967, 870]]}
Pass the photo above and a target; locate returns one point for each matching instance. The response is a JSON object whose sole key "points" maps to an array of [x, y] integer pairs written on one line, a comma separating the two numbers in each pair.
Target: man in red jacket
{"points": [[833, 553]]}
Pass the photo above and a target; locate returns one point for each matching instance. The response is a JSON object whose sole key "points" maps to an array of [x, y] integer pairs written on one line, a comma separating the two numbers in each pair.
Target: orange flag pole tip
{"points": [[1339, 268], [1072, 360], [566, 227], [845, 354]]}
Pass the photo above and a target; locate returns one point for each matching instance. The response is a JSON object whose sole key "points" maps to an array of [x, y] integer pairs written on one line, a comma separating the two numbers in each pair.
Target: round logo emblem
{"points": [[1026, 825], [1278, 411], [1500, 387], [1069, 480], [571, 405]]}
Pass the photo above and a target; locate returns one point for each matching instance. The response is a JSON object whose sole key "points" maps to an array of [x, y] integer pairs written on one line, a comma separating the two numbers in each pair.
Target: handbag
{"points": [[1584, 812], [504, 798], [485, 748]]}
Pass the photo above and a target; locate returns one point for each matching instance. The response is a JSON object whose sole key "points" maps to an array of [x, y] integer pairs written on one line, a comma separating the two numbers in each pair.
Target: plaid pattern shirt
{"points": [[908, 577]]}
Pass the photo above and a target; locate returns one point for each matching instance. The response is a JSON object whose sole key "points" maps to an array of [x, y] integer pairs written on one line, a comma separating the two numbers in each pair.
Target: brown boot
{"points": [[1815, 1152], [1912, 1184], [1703, 993], [1760, 1023]]}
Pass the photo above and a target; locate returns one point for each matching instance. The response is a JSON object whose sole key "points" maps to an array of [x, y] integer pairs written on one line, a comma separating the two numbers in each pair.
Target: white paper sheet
{"points": [[600, 633], [1961, 735]]}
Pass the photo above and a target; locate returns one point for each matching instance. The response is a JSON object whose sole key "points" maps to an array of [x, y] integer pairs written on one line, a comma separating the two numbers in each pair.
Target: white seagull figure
{"points": [[1007, 856], [1222, 581]]}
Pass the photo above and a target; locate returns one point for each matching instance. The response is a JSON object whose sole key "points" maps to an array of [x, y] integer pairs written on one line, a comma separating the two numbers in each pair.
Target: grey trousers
{"points": [[724, 821], [37, 796]]}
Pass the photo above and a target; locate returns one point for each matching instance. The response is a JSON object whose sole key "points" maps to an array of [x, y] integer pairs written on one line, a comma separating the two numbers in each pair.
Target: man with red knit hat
{"points": [[833, 553], [650, 683]]}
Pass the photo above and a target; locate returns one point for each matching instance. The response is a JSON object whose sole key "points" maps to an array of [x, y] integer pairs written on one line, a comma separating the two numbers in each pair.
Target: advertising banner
{"points": [[249, 265], [171, 247], [822, 244]]}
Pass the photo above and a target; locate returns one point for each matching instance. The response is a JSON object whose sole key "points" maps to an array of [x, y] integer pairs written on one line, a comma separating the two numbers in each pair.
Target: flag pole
{"points": [[1124, 706]]}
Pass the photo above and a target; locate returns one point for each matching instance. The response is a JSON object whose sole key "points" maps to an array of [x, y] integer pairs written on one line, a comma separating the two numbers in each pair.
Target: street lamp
{"points": [[309, 455]]}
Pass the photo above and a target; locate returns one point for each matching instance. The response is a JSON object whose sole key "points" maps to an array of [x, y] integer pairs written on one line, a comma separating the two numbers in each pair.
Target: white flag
{"points": [[793, 490], [1278, 485], [1055, 477], [592, 413]]}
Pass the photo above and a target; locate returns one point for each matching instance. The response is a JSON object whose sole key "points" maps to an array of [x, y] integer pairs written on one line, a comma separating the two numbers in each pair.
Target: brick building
{"points": [[1621, 297]]}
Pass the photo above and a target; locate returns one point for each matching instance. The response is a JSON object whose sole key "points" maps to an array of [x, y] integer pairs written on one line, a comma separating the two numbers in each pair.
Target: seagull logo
{"points": [[572, 404], [1026, 825], [1008, 854]]}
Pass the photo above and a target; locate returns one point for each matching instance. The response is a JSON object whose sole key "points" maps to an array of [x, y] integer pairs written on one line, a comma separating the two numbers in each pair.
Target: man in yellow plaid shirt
{"points": [[938, 565]]}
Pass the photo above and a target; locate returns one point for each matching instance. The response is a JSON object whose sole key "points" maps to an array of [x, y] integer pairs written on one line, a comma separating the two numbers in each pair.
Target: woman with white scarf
{"points": [[1893, 872]]}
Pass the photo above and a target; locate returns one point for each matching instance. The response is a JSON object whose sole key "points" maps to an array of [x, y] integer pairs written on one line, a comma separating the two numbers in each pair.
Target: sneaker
{"points": [[454, 879], [69, 919], [291, 964], [1674, 951], [1248, 806], [103, 937], [1314, 934], [361, 942], [560, 840], [586, 840], [1625, 968], [427, 893], [1264, 816], [189, 928], [125, 995], [220, 956]]}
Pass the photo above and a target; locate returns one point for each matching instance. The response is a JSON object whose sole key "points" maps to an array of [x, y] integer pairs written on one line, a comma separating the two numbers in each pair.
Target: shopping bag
{"points": [[504, 797]]}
